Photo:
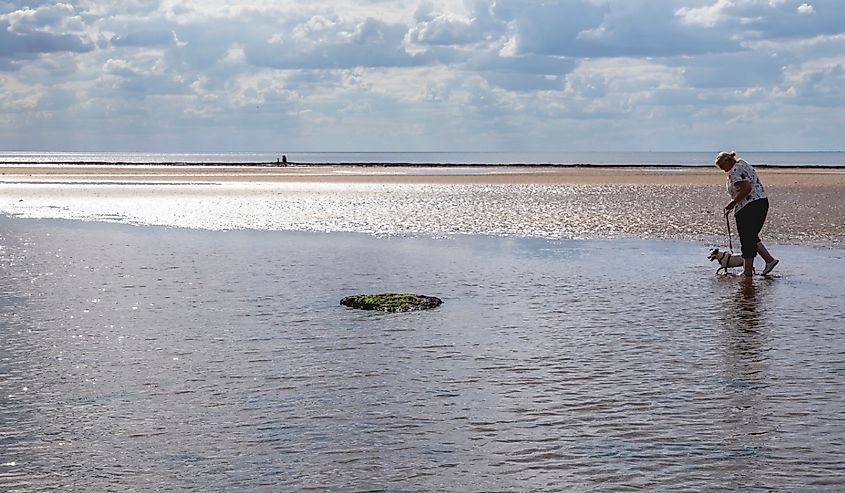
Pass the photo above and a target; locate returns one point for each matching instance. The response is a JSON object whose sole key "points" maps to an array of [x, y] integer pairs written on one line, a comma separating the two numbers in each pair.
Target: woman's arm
{"points": [[741, 189]]}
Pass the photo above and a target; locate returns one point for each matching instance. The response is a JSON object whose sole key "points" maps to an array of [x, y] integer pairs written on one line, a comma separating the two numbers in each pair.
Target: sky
{"points": [[422, 75]]}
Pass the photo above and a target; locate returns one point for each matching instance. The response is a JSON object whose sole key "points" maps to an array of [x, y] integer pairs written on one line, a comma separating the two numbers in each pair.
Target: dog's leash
{"points": [[730, 240]]}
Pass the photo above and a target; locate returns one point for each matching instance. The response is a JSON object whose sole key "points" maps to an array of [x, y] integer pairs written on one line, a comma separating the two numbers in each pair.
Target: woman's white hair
{"points": [[722, 156]]}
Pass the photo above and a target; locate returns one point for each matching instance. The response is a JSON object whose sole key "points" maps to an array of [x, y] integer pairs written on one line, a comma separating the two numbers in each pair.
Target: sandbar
{"points": [[458, 174], [808, 204]]}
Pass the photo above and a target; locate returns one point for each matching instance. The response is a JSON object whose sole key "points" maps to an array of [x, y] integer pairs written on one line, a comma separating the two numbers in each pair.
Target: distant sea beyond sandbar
{"points": [[445, 159]]}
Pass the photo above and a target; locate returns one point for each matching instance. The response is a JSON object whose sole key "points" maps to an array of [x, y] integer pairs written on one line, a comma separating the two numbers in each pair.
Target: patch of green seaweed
{"points": [[391, 302]]}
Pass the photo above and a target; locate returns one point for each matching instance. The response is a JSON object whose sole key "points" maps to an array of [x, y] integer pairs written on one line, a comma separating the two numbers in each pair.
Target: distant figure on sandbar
{"points": [[284, 160]]}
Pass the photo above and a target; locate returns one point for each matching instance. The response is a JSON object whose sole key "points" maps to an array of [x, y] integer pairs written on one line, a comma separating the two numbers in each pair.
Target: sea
{"points": [[189, 337], [817, 158]]}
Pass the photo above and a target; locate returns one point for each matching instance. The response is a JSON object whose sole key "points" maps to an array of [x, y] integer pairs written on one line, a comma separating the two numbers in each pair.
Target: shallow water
{"points": [[144, 358]]}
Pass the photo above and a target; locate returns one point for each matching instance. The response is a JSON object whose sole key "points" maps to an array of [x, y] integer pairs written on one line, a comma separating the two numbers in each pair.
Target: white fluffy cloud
{"points": [[806, 9], [45, 18], [26, 32], [417, 74]]}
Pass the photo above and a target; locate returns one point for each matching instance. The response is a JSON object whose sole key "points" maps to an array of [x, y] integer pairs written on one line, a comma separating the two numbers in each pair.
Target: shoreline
{"points": [[400, 164], [105, 223]]}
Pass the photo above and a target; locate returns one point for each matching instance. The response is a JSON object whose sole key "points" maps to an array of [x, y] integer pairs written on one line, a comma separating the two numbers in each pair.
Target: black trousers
{"points": [[749, 222]]}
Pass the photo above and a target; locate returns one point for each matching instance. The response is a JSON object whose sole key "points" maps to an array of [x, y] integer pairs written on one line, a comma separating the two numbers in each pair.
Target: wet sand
{"points": [[538, 201]]}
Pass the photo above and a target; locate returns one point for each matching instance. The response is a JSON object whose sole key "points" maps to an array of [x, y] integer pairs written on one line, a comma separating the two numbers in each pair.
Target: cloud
{"points": [[150, 37], [521, 73], [436, 73], [806, 9], [47, 18], [612, 29], [322, 42], [34, 42], [706, 16], [445, 30], [621, 82], [27, 31], [734, 70], [119, 67], [817, 84], [153, 85], [754, 19], [432, 27], [121, 8], [549, 28], [529, 64]]}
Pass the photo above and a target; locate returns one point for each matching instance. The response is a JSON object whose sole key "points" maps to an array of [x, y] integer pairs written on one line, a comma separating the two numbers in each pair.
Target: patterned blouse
{"points": [[742, 171]]}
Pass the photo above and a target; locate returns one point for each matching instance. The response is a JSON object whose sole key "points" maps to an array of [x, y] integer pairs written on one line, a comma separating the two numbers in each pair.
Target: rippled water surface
{"points": [[145, 358]]}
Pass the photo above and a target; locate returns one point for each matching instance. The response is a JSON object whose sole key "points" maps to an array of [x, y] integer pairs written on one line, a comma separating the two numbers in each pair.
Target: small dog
{"points": [[726, 260]]}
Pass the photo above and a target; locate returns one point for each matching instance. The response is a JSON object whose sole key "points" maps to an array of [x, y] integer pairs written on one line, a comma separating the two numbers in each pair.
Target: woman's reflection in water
{"points": [[747, 307], [745, 347]]}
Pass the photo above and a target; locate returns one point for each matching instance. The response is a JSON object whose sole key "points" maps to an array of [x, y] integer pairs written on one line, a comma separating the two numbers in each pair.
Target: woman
{"points": [[750, 206]]}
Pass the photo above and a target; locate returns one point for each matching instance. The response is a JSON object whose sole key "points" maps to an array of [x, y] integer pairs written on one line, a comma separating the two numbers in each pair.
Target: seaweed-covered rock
{"points": [[391, 302]]}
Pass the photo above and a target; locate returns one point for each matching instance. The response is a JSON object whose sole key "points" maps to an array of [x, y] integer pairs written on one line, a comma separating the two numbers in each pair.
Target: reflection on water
{"points": [[746, 304], [140, 358], [747, 379], [744, 323]]}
